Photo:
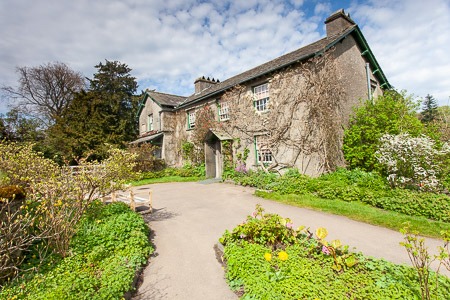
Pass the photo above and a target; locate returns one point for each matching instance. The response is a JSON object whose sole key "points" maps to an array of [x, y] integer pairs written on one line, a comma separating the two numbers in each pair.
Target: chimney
{"points": [[203, 83], [338, 22]]}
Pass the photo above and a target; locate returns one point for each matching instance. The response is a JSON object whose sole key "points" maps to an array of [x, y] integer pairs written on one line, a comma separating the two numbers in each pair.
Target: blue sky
{"points": [[170, 43]]}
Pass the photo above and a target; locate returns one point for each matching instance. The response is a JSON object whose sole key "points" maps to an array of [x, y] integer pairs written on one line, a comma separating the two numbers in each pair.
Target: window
{"points": [[191, 119], [150, 122], [373, 86], [261, 96], [263, 153], [223, 111], [143, 128]]}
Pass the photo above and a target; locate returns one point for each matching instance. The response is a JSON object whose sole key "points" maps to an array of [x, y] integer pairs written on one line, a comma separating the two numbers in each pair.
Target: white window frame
{"points": [[261, 97], [191, 119], [262, 152], [150, 123], [224, 112]]}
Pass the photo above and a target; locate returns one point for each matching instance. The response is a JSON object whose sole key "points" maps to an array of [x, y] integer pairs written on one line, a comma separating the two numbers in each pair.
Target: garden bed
{"points": [[265, 258], [108, 251]]}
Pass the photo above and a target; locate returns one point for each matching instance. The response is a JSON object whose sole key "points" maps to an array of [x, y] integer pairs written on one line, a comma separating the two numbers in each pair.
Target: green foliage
{"points": [[227, 154], [56, 198], [145, 158], [187, 170], [269, 230], [305, 270], [105, 114], [429, 109], [111, 244], [420, 259], [353, 185], [392, 113], [15, 127], [188, 151]]}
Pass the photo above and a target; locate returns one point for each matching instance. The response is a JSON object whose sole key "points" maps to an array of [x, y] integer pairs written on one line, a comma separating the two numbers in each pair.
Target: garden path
{"points": [[189, 218]]}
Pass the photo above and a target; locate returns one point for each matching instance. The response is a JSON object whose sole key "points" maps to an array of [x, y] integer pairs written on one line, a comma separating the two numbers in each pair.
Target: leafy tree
{"points": [[45, 91], [105, 114], [392, 113], [14, 126], [429, 109]]}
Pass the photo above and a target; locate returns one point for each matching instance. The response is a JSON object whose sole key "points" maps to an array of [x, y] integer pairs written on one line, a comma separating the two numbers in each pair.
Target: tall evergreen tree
{"points": [[429, 109], [105, 114], [115, 87]]}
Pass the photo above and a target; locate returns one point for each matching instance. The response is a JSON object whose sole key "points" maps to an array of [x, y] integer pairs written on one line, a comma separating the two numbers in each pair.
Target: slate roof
{"points": [[283, 61], [166, 99], [298, 55]]}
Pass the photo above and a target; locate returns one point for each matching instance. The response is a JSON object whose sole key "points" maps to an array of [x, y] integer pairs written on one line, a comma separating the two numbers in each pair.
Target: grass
{"points": [[361, 212], [165, 180]]}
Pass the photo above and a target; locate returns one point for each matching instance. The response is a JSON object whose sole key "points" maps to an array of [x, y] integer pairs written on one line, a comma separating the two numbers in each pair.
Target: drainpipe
{"points": [[369, 90]]}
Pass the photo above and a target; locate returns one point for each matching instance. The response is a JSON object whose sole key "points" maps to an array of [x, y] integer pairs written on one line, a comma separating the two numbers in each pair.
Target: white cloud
{"points": [[410, 40], [170, 43]]}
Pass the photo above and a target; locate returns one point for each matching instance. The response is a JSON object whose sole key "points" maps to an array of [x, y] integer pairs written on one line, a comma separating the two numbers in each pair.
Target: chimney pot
{"points": [[203, 83], [338, 22]]}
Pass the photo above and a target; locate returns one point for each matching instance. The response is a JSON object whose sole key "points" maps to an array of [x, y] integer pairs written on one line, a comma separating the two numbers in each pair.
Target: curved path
{"points": [[189, 218]]}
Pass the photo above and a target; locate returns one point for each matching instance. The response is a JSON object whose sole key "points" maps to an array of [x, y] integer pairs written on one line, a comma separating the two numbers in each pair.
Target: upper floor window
{"points": [[263, 152], [150, 122], [191, 119], [261, 96], [223, 111], [373, 86]]}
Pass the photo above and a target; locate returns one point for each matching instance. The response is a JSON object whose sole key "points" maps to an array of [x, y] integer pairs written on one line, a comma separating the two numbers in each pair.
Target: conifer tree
{"points": [[429, 109]]}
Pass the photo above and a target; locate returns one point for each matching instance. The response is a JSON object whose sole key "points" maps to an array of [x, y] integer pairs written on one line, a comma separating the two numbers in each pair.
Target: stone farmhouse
{"points": [[287, 113]]}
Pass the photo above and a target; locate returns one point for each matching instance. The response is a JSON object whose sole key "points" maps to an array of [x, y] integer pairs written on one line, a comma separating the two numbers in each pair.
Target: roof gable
{"points": [[162, 99]]}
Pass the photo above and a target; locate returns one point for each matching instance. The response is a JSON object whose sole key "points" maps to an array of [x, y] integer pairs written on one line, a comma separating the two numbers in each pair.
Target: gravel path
{"points": [[189, 218]]}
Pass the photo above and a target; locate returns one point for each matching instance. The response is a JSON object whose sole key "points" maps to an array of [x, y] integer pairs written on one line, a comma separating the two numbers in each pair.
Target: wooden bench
{"points": [[134, 201]]}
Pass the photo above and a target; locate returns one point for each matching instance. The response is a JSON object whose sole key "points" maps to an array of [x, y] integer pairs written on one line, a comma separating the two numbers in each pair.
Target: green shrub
{"points": [[185, 171], [269, 230], [110, 245], [353, 185], [391, 113]]}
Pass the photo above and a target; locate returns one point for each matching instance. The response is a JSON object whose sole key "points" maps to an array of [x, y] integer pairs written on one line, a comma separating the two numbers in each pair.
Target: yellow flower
{"points": [[268, 256], [336, 244], [283, 256], [321, 233]]}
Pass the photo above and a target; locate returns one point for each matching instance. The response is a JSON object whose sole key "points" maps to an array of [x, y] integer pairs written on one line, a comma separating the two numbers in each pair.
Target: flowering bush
{"points": [[270, 230], [56, 199], [241, 167], [411, 161]]}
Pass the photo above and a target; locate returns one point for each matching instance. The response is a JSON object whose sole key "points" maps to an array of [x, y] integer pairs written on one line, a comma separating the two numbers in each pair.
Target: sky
{"points": [[170, 43]]}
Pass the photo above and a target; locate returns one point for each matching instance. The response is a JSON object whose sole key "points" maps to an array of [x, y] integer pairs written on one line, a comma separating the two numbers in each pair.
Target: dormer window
{"points": [[261, 97], [191, 119]]}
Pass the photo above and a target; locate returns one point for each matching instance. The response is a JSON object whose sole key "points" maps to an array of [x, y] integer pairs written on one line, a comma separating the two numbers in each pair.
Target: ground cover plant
{"points": [[267, 258], [352, 186], [110, 245]]}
